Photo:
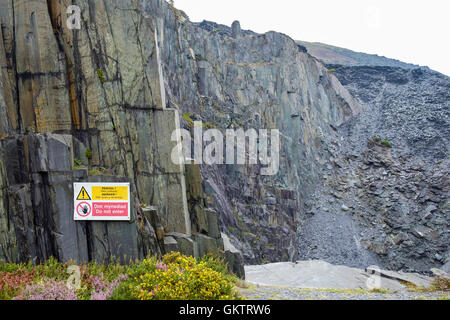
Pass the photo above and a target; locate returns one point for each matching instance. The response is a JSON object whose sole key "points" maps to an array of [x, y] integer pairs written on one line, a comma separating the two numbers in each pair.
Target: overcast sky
{"points": [[408, 30]]}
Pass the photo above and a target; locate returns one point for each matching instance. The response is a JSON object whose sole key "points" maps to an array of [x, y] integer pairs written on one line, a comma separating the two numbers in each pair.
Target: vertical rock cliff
{"points": [[232, 78], [100, 103], [89, 105]]}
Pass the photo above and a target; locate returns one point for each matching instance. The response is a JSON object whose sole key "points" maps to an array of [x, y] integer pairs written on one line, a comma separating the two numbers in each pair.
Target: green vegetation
{"points": [[77, 163], [384, 142], [331, 70], [173, 276], [97, 171], [100, 75], [47, 281], [439, 284], [89, 154], [177, 277], [379, 290], [208, 125], [187, 116]]}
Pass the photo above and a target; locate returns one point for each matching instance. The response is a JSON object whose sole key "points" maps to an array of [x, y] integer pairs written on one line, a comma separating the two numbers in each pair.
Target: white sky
{"points": [[408, 30]]}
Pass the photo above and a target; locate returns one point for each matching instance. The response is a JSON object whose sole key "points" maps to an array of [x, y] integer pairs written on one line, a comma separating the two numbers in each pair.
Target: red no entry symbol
{"points": [[83, 209]]}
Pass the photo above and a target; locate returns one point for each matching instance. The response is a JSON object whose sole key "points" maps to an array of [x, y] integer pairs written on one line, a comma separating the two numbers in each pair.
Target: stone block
{"points": [[170, 244], [213, 223], [80, 174], [201, 219], [207, 245], [185, 245], [194, 182]]}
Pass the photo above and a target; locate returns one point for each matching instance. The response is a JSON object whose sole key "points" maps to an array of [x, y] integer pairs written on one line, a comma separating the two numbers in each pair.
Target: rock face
{"points": [[253, 81], [108, 96], [88, 105], [397, 196]]}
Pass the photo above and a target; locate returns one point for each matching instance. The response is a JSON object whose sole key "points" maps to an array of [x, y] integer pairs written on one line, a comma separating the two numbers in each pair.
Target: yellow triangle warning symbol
{"points": [[83, 195]]}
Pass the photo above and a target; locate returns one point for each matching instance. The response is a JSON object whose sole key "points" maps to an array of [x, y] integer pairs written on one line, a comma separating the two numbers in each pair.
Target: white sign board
{"points": [[101, 201]]}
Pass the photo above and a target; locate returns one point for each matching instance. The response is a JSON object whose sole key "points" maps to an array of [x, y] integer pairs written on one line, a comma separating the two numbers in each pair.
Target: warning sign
{"points": [[101, 201], [83, 209], [83, 195], [110, 193]]}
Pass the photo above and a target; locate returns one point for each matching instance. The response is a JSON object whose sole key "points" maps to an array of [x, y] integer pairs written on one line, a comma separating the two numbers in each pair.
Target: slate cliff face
{"points": [[89, 105], [100, 104], [108, 97], [230, 78], [391, 205]]}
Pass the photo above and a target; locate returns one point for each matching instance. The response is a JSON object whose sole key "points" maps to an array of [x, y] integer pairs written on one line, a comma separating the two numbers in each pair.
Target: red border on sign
{"points": [[89, 206], [116, 209]]}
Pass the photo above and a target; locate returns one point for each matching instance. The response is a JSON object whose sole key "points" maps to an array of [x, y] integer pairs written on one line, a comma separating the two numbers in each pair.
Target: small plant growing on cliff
{"points": [[187, 116], [100, 75], [77, 163], [97, 171], [382, 142], [143, 205], [89, 154], [386, 143]]}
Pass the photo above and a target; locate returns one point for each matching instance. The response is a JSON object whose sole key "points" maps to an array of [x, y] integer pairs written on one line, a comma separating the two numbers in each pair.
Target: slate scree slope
{"points": [[100, 104]]}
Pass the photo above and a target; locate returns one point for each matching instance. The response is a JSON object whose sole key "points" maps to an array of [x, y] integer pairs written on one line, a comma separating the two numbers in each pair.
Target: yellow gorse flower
{"points": [[182, 277]]}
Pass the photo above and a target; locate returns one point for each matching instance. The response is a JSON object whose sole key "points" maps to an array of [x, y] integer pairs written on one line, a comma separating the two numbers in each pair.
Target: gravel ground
{"points": [[254, 292]]}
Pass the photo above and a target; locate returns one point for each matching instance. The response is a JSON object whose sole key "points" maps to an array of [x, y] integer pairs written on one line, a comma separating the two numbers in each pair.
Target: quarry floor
{"points": [[319, 280], [256, 292]]}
